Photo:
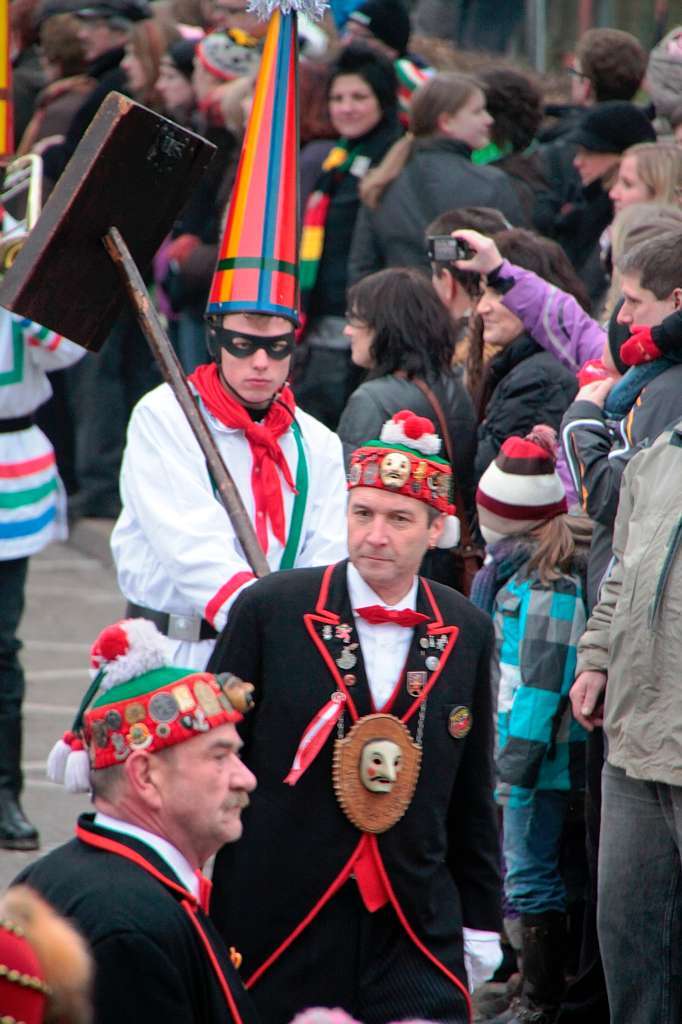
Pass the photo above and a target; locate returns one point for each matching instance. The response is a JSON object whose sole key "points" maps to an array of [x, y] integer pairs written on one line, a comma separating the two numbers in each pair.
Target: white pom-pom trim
{"points": [[393, 433], [56, 761], [77, 773], [146, 652], [449, 538], [264, 9]]}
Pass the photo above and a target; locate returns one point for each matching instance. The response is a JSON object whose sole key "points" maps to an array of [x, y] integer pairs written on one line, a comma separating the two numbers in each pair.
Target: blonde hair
{"points": [[444, 93], [659, 165], [638, 222], [554, 549]]}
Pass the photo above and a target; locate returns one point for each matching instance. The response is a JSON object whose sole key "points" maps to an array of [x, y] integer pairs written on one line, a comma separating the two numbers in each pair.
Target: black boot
{"points": [[16, 831], [544, 939]]}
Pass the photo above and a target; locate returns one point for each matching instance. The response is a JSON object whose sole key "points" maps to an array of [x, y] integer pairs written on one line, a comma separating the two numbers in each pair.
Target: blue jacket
{"points": [[537, 629]]}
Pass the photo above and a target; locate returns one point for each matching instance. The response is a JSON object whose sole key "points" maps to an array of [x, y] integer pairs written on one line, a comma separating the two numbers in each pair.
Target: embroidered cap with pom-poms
{"points": [[405, 460], [521, 488], [137, 702]]}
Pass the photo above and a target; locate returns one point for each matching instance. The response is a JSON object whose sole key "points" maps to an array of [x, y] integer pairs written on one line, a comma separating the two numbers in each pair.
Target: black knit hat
{"points": [[181, 55], [388, 20], [377, 70], [612, 127], [618, 334]]}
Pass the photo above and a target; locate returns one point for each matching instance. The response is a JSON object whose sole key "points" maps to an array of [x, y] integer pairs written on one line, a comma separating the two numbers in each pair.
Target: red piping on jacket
{"points": [[189, 903]]}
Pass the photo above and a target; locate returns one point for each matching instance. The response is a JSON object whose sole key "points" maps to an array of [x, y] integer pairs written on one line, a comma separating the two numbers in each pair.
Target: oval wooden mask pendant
{"points": [[375, 772]]}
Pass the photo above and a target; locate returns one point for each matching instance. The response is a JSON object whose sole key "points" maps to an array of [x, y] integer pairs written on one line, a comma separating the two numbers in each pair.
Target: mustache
{"points": [[239, 800]]}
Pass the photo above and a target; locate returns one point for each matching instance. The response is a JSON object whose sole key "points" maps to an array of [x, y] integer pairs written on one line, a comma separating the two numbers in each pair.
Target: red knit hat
{"points": [[138, 702], [405, 460], [521, 488]]}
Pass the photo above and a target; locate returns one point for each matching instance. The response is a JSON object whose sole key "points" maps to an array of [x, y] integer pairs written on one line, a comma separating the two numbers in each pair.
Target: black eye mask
{"points": [[241, 345]]}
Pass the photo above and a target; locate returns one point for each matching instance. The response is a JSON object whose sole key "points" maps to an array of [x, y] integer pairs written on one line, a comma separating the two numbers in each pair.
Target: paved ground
{"points": [[71, 595]]}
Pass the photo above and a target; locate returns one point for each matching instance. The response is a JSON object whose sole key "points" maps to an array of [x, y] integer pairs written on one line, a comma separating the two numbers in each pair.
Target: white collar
{"points": [[361, 594], [169, 853]]}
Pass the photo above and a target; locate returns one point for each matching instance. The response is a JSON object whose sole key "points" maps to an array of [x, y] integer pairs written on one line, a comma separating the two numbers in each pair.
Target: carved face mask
{"points": [[380, 763]]}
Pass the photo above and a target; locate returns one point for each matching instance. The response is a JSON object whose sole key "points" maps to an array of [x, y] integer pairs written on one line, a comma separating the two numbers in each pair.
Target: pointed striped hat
{"points": [[257, 270]]}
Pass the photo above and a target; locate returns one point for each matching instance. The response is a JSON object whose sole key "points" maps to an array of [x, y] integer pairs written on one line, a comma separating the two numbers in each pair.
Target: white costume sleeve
{"points": [[324, 540], [48, 350], [172, 524]]}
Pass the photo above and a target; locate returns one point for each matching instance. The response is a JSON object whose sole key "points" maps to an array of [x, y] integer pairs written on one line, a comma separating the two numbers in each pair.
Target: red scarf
{"points": [[267, 455]]}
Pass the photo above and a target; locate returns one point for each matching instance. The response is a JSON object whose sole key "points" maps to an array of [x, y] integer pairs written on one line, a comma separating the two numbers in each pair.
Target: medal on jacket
{"points": [[375, 772]]}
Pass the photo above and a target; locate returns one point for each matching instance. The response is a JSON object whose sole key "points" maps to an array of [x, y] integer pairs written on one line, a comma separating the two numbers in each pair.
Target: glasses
{"points": [[576, 73]]}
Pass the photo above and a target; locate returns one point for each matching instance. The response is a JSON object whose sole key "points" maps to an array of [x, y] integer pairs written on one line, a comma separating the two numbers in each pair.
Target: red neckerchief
{"points": [[268, 457]]}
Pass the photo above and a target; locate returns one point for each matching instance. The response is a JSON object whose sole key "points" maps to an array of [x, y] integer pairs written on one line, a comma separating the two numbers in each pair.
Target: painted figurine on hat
{"points": [[405, 460]]}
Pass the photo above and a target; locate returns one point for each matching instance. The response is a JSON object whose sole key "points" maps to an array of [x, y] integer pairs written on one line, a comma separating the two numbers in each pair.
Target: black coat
{"points": [[438, 177], [442, 857], [527, 386], [150, 964]]}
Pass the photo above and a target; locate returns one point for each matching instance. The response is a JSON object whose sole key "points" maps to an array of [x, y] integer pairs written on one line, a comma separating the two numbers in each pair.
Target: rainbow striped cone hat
{"points": [[257, 269]]}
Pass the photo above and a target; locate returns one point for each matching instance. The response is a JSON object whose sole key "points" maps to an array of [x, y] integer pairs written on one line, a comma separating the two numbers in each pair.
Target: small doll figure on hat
{"points": [[532, 584], [405, 460]]}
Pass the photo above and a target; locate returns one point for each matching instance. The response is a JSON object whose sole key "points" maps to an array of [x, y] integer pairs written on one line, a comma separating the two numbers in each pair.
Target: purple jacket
{"points": [[559, 324]]}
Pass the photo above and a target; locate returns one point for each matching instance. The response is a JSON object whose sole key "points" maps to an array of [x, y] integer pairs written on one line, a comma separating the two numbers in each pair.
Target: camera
{"points": [[445, 249]]}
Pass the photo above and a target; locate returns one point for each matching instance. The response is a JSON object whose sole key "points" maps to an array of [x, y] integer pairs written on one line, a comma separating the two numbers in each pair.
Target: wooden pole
{"points": [[173, 374]]}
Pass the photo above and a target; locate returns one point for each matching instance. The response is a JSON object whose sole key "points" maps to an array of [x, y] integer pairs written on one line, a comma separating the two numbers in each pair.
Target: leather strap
{"points": [[162, 621], [9, 426], [467, 540]]}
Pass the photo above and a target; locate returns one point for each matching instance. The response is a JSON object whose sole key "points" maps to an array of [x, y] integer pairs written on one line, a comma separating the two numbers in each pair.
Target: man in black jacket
{"points": [[168, 787], [372, 841], [104, 31]]}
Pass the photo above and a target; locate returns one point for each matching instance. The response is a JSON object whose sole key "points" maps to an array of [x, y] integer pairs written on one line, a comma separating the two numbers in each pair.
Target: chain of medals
{"points": [[348, 659], [419, 735]]}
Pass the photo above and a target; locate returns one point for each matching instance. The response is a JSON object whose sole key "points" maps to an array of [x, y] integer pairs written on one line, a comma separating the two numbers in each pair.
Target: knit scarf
{"points": [[504, 559], [337, 163], [625, 393], [262, 437]]}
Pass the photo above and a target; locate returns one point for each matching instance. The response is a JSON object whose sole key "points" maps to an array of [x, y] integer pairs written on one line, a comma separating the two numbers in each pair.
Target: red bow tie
{"points": [[375, 615], [205, 886]]}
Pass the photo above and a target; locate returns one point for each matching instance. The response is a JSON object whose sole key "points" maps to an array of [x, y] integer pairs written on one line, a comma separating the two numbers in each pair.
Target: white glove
{"points": [[482, 955]]}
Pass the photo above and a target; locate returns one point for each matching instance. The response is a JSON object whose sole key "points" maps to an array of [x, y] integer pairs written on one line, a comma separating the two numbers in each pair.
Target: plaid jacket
{"points": [[537, 629]]}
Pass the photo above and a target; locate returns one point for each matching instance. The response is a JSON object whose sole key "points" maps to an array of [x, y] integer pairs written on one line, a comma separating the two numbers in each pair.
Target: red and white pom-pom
{"points": [[77, 771], [413, 431], [126, 650]]}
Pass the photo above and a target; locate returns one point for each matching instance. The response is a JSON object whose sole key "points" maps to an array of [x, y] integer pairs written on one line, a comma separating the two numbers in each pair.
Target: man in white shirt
{"points": [[372, 840], [178, 559], [169, 787]]}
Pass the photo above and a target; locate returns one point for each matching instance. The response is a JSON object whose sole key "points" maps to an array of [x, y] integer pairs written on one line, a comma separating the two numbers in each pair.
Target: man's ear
{"points": [[677, 298]]}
